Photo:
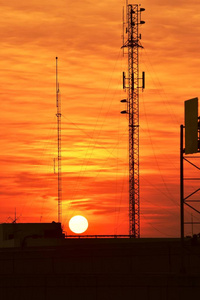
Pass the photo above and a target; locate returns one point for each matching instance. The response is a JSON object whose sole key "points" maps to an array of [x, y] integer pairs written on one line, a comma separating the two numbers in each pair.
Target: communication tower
{"points": [[58, 115], [132, 85]]}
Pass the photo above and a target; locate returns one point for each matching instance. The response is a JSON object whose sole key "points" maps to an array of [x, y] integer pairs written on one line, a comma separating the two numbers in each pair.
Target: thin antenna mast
{"points": [[123, 23], [58, 115]]}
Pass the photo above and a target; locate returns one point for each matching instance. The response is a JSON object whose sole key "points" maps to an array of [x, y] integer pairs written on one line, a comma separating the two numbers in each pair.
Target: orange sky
{"points": [[86, 37]]}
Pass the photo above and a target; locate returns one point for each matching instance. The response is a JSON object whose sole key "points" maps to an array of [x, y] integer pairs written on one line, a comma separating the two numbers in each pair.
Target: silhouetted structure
{"points": [[96, 269], [19, 235], [133, 20], [187, 151], [58, 115]]}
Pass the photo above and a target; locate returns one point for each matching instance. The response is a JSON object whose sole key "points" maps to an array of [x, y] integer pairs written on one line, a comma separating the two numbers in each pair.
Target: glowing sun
{"points": [[78, 224]]}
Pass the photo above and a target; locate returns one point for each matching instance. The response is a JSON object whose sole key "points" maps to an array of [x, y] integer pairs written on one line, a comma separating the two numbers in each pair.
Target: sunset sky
{"points": [[86, 38]]}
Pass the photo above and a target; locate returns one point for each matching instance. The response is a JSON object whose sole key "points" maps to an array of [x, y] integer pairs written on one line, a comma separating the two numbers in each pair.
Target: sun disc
{"points": [[78, 224]]}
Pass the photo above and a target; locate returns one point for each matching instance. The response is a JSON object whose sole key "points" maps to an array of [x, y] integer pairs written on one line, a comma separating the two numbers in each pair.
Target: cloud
{"points": [[86, 36]]}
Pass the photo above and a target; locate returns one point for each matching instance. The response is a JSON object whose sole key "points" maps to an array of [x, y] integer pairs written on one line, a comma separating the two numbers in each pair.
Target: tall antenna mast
{"points": [[133, 20], [58, 115]]}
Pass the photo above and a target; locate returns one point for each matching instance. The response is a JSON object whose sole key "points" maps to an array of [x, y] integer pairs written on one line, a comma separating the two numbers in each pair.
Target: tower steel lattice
{"points": [[133, 20], [58, 115]]}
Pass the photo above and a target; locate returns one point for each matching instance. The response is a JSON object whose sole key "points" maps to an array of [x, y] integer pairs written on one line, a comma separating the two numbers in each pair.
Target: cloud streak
{"points": [[86, 37]]}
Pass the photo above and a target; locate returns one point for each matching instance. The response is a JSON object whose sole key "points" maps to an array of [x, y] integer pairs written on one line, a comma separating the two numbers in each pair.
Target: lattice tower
{"points": [[133, 21]]}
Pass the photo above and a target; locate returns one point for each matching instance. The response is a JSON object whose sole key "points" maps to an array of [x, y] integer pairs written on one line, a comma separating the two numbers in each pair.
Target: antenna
{"points": [[126, 10], [123, 23], [58, 115], [131, 85]]}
